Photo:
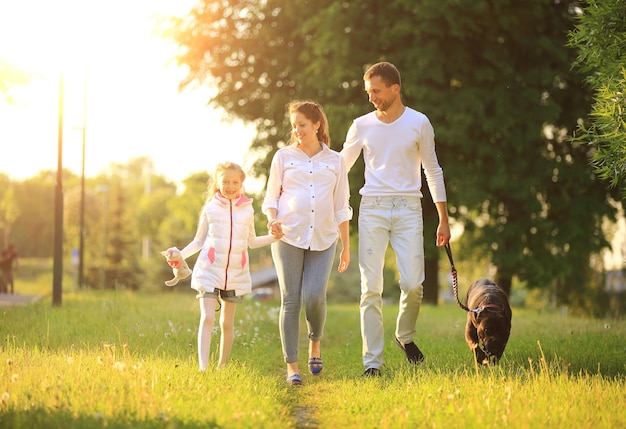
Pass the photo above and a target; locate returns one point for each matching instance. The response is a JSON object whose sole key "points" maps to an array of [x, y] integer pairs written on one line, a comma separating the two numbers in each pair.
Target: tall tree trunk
{"points": [[431, 251], [431, 283], [504, 281]]}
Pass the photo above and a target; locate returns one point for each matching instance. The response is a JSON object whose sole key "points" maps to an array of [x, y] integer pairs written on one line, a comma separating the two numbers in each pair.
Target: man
{"points": [[397, 142], [7, 259]]}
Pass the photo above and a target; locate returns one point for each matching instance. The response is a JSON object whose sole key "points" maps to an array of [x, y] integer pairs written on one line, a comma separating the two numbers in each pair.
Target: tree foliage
{"points": [[33, 229], [11, 77], [600, 38], [9, 211], [256, 54], [494, 78], [130, 216]]}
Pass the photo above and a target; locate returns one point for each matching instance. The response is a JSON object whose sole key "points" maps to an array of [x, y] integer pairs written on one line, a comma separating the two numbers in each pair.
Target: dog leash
{"points": [[455, 279], [455, 287]]}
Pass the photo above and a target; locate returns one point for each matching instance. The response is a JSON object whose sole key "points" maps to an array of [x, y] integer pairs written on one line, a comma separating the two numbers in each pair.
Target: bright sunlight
{"points": [[120, 83]]}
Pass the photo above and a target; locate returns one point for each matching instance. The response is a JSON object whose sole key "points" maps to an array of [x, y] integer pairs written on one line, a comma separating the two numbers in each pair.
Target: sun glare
{"points": [[42, 36], [113, 62]]}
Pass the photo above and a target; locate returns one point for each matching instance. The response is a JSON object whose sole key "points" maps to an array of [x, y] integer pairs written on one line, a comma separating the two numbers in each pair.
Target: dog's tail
{"points": [[455, 279]]}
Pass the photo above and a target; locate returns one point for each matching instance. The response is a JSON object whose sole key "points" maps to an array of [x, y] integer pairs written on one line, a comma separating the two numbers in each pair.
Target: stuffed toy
{"points": [[179, 265]]}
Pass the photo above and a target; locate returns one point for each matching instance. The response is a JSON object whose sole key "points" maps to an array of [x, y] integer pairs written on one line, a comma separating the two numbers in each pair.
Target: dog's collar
{"points": [[478, 310]]}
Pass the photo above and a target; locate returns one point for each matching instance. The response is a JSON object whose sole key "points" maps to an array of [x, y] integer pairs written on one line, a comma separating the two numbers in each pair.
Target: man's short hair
{"points": [[388, 73]]}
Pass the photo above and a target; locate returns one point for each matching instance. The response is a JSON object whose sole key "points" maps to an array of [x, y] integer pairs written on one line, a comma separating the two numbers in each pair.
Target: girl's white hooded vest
{"points": [[225, 232]]}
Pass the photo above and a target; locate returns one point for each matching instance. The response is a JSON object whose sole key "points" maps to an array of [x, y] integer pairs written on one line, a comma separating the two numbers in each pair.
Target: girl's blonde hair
{"points": [[315, 113], [213, 182]]}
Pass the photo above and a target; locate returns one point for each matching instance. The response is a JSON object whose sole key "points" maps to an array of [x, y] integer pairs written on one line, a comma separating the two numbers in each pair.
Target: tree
{"points": [[9, 211], [10, 78], [252, 52], [33, 231], [494, 79], [600, 37], [180, 226], [123, 245], [503, 98]]}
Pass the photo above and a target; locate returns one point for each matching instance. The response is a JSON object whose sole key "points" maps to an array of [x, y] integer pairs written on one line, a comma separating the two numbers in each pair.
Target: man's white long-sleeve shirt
{"points": [[311, 196], [394, 155]]}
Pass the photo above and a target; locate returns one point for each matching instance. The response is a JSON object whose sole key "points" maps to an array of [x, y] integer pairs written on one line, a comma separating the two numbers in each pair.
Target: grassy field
{"points": [[128, 360]]}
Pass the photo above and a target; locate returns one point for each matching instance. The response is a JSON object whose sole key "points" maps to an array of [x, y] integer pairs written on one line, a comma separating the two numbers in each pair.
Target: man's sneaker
{"points": [[372, 372], [413, 354]]}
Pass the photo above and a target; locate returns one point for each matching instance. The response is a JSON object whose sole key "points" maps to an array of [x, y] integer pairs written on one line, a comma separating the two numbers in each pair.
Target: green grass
{"points": [[120, 360]]}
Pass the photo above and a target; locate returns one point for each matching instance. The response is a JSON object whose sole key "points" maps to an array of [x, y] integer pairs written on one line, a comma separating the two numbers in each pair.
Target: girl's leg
{"points": [[207, 320], [227, 325]]}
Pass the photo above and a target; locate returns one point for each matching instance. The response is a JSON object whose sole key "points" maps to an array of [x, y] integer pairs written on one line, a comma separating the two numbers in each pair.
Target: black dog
{"points": [[488, 321]]}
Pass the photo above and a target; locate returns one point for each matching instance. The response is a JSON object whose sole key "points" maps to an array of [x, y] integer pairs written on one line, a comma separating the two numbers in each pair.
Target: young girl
{"points": [[225, 231]]}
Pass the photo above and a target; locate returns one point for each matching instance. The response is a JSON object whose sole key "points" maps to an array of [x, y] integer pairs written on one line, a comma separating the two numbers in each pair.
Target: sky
{"points": [[133, 105]]}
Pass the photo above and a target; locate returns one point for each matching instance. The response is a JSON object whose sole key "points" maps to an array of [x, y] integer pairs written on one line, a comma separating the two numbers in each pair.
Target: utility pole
{"points": [[57, 280], [81, 252]]}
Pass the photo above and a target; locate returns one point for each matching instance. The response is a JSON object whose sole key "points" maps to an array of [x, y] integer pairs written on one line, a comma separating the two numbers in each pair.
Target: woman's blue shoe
{"points": [[294, 379], [315, 366]]}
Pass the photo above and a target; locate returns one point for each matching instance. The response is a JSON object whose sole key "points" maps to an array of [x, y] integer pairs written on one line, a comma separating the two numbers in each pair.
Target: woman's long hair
{"points": [[315, 113]]}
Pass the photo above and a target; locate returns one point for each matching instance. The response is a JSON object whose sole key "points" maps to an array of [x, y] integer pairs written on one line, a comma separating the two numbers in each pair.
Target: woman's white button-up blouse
{"points": [[311, 196]]}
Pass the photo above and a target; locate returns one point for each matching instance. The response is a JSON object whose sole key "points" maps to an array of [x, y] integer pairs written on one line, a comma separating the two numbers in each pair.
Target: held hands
{"points": [[275, 228]]}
